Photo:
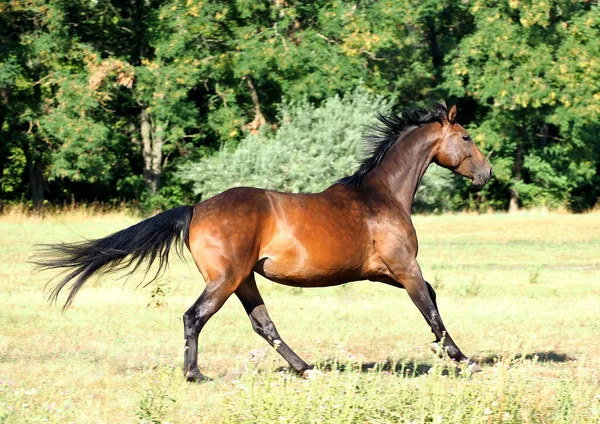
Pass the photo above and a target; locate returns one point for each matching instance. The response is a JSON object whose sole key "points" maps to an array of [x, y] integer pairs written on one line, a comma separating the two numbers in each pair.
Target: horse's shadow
{"points": [[540, 357], [399, 367], [404, 368], [413, 369]]}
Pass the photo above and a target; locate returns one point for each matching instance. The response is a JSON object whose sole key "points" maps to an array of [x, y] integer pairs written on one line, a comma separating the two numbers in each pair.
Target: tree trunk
{"points": [[437, 57], [33, 156], [4, 151], [2, 161], [513, 205], [259, 118], [157, 145], [152, 152], [35, 174]]}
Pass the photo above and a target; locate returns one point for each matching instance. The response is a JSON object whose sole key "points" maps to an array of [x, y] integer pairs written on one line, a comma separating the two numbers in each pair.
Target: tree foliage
{"points": [[537, 82], [105, 100]]}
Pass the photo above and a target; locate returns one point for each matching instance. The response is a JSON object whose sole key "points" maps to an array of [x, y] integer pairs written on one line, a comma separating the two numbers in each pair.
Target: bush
{"points": [[313, 147], [436, 192]]}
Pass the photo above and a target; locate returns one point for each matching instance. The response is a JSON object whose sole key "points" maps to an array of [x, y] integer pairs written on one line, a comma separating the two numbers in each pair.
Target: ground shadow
{"points": [[419, 368], [548, 356], [398, 367], [406, 368]]}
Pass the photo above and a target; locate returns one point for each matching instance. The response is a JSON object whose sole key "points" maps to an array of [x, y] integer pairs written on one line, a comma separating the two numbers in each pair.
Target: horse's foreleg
{"points": [[421, 296], [431, 294], [209, 302], [435, 346], [408, 275], [254, 305]]}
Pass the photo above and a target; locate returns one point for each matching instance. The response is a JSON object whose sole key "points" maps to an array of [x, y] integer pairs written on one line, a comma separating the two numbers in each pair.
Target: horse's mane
{"points": [[382, 135]]}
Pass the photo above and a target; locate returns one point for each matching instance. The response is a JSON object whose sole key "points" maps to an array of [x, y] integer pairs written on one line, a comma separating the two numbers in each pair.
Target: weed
{"points": [[534, 275], [438, 282], [470, 288], [156, 404], [344, 394], [158, 296]]}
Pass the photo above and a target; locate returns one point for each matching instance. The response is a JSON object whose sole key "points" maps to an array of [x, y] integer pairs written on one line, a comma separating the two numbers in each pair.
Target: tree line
{"points": [[128, 100]]}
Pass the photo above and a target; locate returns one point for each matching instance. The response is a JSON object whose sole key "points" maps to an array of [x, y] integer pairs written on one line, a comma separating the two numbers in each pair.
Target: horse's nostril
{"points": [[491, 173]]}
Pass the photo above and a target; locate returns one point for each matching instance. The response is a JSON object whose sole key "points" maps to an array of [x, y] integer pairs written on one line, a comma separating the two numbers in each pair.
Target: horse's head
{"points": [[456, 151]]}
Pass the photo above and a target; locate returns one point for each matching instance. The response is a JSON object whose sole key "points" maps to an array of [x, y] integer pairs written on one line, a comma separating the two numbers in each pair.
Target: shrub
{"points": [[313, 147]]}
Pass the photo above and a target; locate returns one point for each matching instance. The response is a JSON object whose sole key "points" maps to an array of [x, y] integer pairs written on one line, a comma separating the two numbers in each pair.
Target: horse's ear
{"points": [[452, 113], [443, 104]]}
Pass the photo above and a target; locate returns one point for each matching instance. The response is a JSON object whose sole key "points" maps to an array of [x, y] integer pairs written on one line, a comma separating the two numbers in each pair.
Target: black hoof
{"points": [[307, 368], [197, 377], [311, 373]]}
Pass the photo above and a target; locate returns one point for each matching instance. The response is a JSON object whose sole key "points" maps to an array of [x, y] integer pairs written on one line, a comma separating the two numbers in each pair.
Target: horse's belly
{"points": [[307, 277], [305, 269]]}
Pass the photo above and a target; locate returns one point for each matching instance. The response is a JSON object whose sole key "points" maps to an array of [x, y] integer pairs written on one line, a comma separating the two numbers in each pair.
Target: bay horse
{"points": [[359, 228]]}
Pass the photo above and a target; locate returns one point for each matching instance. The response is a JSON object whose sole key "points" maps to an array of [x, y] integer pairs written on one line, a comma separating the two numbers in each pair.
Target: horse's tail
{"points": [[143, 242]]}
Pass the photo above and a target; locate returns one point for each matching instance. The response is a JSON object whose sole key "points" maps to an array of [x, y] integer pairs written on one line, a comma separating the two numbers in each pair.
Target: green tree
{"points": [[50, 115], [27, 54], [134, 89], [533, 69], [252, 54], [105, 99]]}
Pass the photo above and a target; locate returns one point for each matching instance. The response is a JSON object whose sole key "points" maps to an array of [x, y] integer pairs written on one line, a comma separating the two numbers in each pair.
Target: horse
{"points": [[359, 228]]}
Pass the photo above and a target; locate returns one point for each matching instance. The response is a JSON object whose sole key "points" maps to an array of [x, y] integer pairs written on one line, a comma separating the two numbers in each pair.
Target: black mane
{"points": [[383, 135]]}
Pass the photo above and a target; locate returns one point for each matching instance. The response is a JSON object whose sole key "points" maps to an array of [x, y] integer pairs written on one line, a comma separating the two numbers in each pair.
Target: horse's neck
{"points": [[403, 166]]}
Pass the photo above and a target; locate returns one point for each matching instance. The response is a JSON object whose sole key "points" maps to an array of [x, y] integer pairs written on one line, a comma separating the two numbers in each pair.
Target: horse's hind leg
{"points": [[210, 301], [248, 294]]}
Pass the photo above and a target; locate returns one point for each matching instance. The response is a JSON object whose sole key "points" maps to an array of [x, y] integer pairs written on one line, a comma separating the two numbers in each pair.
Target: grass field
{"points": [[520, 293]]}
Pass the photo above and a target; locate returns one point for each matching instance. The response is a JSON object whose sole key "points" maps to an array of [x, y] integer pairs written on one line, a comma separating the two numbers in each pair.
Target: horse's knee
{"points": [[188, 316]]}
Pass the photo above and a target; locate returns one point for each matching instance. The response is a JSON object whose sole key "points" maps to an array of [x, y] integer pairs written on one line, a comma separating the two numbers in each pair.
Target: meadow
{"points": [[520, 293]]}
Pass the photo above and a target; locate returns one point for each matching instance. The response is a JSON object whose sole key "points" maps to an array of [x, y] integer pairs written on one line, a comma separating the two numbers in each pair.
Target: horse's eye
{"points": [[467, 137]]}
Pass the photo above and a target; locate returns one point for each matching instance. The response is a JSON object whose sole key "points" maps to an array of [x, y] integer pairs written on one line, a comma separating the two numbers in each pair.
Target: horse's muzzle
{"points": [[482, 178]]}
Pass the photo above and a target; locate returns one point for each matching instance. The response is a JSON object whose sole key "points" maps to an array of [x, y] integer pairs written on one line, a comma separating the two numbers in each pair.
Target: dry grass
{"points": [[21, 214], [521, 293]]}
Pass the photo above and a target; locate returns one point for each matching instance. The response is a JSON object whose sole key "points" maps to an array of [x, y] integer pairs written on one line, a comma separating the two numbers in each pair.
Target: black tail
{"points": [[143, 242]]}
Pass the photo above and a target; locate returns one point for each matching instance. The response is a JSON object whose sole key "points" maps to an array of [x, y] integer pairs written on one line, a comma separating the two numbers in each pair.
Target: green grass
{"points": [[521, 293]]}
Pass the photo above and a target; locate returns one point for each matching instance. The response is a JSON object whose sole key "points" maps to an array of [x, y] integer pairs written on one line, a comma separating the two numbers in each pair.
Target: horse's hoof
{"points": [[472, 367], [311, 374], [197, 378]]}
